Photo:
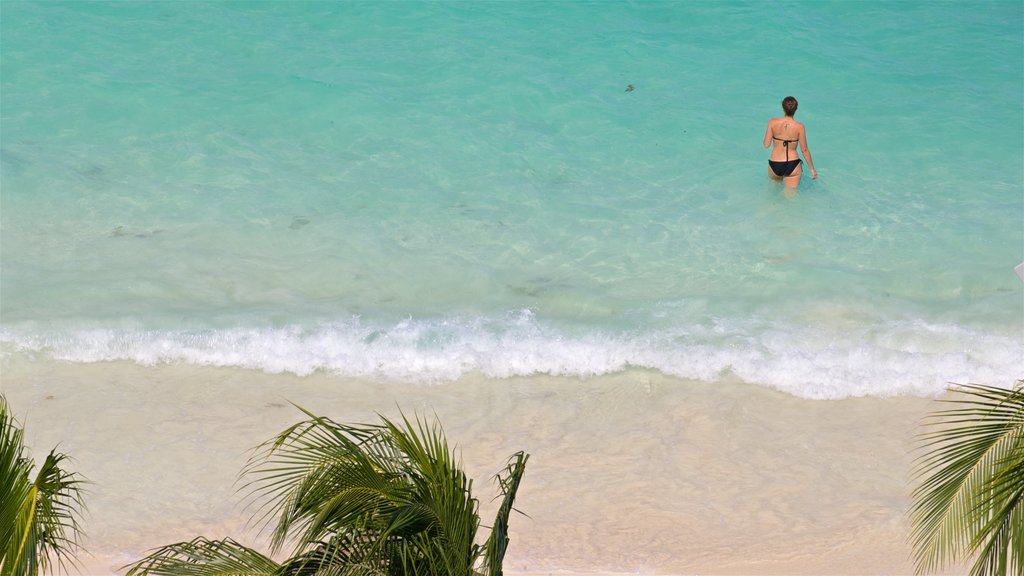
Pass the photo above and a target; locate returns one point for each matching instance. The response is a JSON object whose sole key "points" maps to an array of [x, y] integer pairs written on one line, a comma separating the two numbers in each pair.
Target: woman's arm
{"points": [[807, 151], [768, 135]]}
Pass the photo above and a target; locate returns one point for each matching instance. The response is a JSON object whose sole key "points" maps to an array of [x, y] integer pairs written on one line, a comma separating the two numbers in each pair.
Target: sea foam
{"points": [[900, 358]]}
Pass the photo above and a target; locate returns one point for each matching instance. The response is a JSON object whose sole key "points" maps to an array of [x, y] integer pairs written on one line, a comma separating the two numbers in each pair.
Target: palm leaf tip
{"points": [[970, 496], [508, 482]]}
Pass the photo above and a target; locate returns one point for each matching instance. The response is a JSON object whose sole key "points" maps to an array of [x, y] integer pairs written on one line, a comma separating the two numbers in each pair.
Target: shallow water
{"points": [[421, 191]]}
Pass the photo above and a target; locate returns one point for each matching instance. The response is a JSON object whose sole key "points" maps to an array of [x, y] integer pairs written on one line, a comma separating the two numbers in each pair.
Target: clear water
{"points": [[423, 190]]}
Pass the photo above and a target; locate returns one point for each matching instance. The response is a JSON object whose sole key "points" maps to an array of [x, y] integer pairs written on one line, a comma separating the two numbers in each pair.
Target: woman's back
{"points": [[785, 137]]}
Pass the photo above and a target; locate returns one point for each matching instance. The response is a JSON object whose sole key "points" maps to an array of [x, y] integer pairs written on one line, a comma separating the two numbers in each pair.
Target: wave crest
{"points": [[905, 358]]}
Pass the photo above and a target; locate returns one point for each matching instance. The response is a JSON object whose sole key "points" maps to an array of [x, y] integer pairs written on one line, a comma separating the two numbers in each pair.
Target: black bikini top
{"points": [[785, 143], [783, 140]]}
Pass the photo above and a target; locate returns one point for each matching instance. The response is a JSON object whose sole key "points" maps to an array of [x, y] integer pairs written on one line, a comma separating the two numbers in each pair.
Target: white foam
{"points": [[901, 358]]}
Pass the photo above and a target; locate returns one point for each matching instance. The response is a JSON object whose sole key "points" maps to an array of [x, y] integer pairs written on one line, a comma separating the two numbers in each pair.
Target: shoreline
{"points": [[634, 473]]}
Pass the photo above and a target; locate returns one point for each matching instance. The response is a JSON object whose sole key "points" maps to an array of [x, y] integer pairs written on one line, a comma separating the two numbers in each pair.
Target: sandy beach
{"points": [[635, 473]]}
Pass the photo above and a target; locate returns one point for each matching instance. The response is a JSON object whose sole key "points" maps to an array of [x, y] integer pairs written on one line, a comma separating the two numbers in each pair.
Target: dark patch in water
{"points": [[536, 287], [120, 232], [11, 163]]}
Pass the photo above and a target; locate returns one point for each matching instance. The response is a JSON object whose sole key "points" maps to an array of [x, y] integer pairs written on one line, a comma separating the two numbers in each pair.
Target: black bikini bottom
{"points": [[783, 168]]}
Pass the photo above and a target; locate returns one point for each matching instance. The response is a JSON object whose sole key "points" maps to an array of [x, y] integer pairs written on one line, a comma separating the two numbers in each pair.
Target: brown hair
{"points": [[789, 105]]}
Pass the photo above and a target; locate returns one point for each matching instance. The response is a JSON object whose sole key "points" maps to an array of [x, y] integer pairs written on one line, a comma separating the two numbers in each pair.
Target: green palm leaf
{"points": [[204, 557], [58, 502], [497, 543], [319, 477], [444, 510], [39, 519], [354, 500], [399, 489], [15, 489], [971, 496]]}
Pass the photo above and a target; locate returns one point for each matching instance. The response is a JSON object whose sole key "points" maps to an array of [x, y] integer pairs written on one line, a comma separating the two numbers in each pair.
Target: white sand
{"points": [[634, 474]]}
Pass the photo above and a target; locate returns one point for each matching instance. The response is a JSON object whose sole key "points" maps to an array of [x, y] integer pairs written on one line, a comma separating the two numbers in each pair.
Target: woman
{"points": [[783, 134]]}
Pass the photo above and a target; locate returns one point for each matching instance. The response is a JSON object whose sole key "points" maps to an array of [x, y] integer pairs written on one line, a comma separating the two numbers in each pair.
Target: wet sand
{"points": [[635, 473]]}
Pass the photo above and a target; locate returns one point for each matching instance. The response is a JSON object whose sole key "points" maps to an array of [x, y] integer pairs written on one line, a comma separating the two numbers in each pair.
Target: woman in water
{"points": [[783, 134]]}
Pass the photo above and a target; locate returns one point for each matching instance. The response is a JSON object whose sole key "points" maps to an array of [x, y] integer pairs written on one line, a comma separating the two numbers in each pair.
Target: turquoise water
{"points": [[425, 190]]}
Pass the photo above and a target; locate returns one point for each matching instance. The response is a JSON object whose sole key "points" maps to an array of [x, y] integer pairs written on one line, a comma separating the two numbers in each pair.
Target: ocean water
{"points": [[424, 190]]}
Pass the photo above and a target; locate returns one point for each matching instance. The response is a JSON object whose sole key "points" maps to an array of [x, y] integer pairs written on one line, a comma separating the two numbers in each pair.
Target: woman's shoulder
{"points": [[786, 121]]}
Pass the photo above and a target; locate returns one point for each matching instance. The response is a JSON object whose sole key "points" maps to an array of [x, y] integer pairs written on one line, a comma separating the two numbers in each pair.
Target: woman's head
{"points": [[789, 105]]}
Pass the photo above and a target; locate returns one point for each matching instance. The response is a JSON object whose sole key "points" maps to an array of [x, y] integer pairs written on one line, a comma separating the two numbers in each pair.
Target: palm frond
{"points": [[204, 557], [398, 488], [354, 500], [997, 553], [444, 507], [15, 488], [40, 519], [319, 476], [497, 543], [58, 511], [972, 480], [364, 553]]}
